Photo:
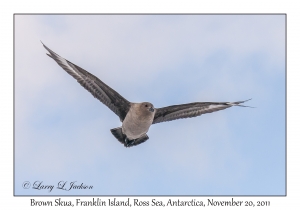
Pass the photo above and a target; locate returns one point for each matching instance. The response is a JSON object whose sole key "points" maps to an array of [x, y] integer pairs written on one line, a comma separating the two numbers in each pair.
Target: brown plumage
{"points": [[136, 118]]}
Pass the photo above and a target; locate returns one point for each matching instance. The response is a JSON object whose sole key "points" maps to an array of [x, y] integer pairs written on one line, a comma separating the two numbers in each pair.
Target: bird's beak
{"points": [[151, 109]]}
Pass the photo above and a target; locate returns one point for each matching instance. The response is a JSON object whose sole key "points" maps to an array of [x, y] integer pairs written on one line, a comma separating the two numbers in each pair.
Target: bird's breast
{"points": [[134, 126]]}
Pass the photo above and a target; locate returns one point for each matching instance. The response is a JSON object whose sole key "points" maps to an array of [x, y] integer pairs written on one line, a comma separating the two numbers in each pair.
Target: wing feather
{"points": [[175, 112], [113, 100]]}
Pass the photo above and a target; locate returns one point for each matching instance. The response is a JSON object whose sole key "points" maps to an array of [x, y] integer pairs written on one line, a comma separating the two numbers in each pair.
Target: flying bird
{"points": [[136, 118]]}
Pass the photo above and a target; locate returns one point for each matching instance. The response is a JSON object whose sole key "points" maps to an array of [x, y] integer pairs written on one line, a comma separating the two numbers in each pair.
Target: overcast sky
{"points": [[63, 133]]}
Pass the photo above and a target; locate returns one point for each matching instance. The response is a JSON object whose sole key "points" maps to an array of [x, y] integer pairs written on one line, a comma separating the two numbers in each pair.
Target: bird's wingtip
{"points": [[44, 45], [50, 51], [240, 102], [245, 106]]}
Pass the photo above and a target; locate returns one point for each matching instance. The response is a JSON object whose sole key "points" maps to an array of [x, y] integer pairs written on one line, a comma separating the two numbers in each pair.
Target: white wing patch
{"points": [[218, 106], [70, 68]]}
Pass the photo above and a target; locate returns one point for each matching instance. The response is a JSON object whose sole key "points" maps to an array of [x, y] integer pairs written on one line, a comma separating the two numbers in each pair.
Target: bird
{"points": [[136, 118]]}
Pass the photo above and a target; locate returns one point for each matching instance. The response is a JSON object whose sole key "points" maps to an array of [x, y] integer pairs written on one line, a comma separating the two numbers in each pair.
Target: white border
{"points": [[8, 201]]}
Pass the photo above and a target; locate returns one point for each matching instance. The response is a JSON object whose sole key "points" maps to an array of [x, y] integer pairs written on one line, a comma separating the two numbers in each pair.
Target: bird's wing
{"points": [[190, 110], [95, 86]]}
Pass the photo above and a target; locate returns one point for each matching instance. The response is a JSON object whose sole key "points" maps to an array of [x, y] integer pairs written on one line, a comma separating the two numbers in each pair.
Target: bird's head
{"points": [[147, 106]]}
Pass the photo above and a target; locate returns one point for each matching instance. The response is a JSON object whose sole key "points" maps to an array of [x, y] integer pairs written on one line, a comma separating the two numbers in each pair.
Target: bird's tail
{"points": [[117, 132]]}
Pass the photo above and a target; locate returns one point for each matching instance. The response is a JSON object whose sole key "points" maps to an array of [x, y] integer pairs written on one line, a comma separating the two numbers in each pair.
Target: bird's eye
{"points": [[146, 105]]}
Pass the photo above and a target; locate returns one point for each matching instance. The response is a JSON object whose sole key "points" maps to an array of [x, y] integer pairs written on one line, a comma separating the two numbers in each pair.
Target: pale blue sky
{"points": [[63, 133]]}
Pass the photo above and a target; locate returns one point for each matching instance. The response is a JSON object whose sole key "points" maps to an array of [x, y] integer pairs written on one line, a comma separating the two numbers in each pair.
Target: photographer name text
{"points": [[61, 185]]}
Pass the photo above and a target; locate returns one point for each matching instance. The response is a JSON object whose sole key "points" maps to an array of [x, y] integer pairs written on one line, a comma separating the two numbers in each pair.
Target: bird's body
{"points": [[137, 121], [136, 118]]}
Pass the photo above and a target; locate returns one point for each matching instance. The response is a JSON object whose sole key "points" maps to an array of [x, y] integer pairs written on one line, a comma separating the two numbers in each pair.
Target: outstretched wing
{"points": [[95, 86], [190, 110]]}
